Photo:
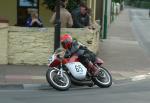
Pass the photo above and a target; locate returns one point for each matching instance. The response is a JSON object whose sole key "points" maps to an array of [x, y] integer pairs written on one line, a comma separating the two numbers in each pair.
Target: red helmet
{"points": [[66, 41]]}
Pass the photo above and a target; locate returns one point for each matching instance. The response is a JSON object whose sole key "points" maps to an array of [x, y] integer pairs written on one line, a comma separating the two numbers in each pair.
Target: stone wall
{"points": [[3, 43], [33, 45], [29, 46]]}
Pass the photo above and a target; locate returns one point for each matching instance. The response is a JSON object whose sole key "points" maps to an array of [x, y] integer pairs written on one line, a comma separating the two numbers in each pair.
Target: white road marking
{"points": [[39, 77], [139, 77]]}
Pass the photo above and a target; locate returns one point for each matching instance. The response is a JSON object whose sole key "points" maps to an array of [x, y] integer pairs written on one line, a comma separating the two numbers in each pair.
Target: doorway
{"points": [[23, 10]]}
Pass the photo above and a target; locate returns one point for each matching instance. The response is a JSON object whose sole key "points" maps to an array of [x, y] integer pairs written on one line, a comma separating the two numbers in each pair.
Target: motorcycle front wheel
{"points": [[58, 82], [104, 79]]}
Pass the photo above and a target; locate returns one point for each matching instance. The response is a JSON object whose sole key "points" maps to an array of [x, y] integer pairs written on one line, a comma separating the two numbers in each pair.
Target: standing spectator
{"points": [[77, 9], [81, 17], [34, 20], [65, 17]]}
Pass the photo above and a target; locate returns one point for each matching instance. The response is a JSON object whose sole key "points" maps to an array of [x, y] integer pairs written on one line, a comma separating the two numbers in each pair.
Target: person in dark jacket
{"points": [[81, 17], [86, 57]]}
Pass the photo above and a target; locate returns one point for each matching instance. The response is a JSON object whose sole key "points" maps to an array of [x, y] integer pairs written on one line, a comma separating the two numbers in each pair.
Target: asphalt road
{"points": [[133, 92]]}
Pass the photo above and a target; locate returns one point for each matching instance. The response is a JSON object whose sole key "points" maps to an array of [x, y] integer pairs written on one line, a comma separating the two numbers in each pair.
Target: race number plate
{"points": [[77, 70]]}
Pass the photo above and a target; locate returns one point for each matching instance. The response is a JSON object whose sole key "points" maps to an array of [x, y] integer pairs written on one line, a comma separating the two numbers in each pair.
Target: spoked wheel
{"points": [[103, 79], [58, 82]]}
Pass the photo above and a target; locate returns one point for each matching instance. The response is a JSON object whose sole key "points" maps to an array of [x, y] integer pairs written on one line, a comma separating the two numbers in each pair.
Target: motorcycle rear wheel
{"points": [[56, 81], [104, 79]]}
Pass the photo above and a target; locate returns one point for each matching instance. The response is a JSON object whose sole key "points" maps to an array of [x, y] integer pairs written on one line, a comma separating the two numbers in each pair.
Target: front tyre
{"points": [[56, 81], [104, 79]]}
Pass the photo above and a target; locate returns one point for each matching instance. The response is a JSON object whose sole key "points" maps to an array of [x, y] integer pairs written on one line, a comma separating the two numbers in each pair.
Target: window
{"points": [[23, 7], [27, 3]]}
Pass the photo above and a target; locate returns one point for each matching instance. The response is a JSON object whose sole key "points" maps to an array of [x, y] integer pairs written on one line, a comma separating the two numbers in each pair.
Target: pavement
{"points": [[123, 57], [22, 76], [122, 52]]}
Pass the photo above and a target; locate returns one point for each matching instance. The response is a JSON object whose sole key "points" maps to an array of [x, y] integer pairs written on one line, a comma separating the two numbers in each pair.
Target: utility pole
{"points": [[105, 21], [112, 10], [57, 26]]}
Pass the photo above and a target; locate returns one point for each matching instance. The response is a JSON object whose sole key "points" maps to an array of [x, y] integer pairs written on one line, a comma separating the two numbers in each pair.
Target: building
{"points": [[102, 10], [16, 11], [98, 8], [22, 45]]}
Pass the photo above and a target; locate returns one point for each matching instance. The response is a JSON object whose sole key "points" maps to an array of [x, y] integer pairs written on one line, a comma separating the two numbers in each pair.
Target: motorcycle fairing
{"points": [[77, 70]]}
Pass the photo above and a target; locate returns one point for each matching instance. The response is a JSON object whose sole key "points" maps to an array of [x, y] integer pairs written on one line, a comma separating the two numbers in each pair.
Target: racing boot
{"points": [[93, 69]]}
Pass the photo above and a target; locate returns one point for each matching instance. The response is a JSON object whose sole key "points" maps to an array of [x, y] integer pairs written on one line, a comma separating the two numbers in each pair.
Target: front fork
{"points": [[60, 71]]}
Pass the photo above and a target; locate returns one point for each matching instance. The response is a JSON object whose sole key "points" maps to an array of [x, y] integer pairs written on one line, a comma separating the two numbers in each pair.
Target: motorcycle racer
{"points": [[86, 57]]}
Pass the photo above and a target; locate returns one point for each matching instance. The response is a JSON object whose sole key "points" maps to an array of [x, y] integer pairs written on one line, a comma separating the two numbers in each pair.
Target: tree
{"points": [[50, 4], [118, 1], [72, 4], [138, 3]]}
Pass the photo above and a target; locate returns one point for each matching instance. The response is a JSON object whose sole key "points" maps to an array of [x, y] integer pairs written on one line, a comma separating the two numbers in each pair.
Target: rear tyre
{"points": [[56, 81], [104, 79]]}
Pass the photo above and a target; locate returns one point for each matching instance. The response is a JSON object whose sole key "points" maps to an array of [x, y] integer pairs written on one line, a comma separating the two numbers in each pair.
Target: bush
{"points": [[72, 4], [145, 5], [138, 3]]}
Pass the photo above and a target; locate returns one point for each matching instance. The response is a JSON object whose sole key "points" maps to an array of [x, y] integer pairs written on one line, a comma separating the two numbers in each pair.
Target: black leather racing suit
{"points": [[84, 54]]}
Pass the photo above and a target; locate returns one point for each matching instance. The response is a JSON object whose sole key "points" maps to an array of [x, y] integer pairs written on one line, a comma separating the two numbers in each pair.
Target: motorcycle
{"points": [[63, 72]]}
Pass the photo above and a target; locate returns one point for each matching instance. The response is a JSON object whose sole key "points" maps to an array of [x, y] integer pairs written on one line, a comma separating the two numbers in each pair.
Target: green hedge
{"points": [[138, 3], [145, 5]]}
